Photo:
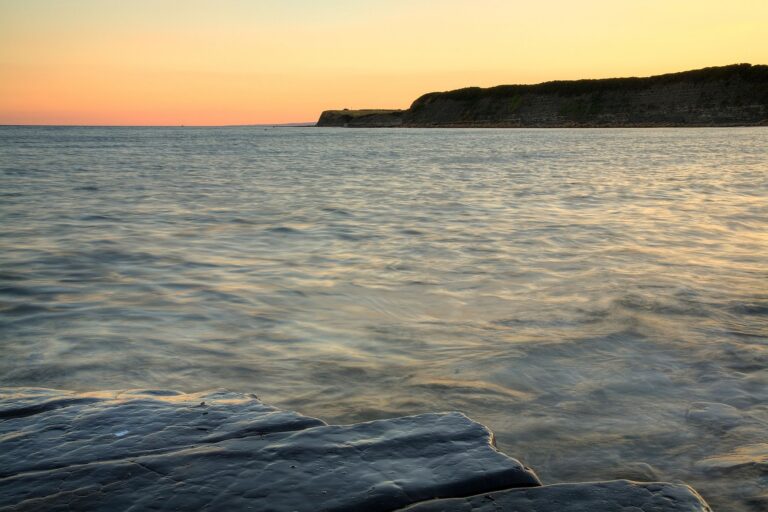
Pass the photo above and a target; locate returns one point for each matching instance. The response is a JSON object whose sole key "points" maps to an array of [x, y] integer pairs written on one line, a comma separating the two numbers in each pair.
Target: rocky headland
{"points": [[735, 95], [165, 450], [362, 118]]}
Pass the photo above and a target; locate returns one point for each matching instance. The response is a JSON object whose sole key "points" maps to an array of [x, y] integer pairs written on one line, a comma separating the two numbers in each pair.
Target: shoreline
{"points": [[735, 95], [763, 124]]}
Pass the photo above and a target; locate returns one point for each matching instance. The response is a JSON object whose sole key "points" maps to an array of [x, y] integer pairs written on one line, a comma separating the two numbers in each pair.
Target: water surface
{"points": [[599, 298]]}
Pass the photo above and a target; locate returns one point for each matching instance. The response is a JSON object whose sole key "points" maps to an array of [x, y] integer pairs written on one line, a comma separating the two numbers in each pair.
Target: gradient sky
{"points": [[195, 62]]}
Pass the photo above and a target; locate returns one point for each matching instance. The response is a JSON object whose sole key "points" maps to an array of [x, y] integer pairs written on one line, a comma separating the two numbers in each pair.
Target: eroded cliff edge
{"points": [[362, 118], [735, 95]]}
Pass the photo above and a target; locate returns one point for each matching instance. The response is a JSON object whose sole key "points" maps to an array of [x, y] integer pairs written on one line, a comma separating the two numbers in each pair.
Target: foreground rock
{"points": [[616, 496], [223, 451], [719, 96], [163, 450], [44, 429]]}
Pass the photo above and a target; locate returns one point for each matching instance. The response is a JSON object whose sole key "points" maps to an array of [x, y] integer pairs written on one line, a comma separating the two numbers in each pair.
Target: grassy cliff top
{"points": [[743, 72], [363, 112]]}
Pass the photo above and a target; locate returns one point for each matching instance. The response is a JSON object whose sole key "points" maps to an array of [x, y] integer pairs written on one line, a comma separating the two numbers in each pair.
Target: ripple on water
{"points": [[597, 297]]}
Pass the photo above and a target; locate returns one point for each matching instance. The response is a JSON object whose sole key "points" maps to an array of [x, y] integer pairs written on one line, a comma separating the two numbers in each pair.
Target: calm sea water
{"points": [[581, 292]]}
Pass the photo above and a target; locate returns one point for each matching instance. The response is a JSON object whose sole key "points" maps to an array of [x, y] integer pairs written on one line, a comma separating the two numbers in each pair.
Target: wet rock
{"points": [[224, 451], [45, 429], [163, 450], [615, 496]]}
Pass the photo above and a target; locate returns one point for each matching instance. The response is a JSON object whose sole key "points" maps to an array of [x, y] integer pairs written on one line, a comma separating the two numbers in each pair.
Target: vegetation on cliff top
{"points": [[735, 95], [743, 72], [363, 112]]}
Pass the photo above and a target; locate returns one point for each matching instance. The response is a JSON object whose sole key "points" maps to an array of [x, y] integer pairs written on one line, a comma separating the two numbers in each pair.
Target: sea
{"points": [[597, 297]]}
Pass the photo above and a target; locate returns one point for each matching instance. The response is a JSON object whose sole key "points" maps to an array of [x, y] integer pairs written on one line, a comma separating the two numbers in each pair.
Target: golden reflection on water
{"points": [[579, 291]]}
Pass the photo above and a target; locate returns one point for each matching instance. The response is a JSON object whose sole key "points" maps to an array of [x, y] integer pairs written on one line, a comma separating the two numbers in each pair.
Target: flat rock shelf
{"points": [[164, 450]]}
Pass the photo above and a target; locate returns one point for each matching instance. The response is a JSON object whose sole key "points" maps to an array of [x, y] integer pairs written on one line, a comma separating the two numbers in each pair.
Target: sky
{"points": [[224, 62]]}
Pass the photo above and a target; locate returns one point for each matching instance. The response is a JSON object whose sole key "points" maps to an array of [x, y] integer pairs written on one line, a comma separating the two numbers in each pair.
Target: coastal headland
{"points": [[735, 95]]}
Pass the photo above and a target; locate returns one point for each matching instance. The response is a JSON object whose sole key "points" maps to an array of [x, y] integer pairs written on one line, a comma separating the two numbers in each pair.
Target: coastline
{"points": [[762, 124], [726, 96]]}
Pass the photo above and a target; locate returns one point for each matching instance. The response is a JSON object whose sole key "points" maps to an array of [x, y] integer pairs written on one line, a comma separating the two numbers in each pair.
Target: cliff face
{"points": [[722, 96], [362, 118]]}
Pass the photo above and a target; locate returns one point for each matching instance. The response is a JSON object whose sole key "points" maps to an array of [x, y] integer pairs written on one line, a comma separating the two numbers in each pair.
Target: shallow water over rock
{"points": [[144, 450], [165, 450], [596, 297]]}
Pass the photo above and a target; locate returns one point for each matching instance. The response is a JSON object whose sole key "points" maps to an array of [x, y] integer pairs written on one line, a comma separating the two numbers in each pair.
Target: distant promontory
{"points": [[735, 95]]}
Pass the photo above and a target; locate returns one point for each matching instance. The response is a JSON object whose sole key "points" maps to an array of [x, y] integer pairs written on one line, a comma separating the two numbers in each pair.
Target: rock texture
{"points": [[720, 96], [45, 429], [149, 450], [164, 450], [616, 496]]}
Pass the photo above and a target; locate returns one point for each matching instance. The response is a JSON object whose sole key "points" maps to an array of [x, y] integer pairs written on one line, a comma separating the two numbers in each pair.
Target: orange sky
{"points": [[195, 62]]}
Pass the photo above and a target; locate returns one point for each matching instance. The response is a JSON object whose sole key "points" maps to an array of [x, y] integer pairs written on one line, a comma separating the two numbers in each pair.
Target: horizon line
{"points": [[261, 125]]}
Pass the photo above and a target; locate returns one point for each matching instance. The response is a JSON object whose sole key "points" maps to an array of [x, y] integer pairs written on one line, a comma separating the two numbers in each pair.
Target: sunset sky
{"points": [[195, 62]]}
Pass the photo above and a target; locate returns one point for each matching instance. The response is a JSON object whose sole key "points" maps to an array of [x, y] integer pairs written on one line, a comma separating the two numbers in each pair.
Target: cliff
{"points": [[735, 95], [362, 118]]}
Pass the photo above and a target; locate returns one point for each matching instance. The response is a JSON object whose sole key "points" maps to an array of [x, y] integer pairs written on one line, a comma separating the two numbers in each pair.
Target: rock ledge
{"points": [[163, 450]]}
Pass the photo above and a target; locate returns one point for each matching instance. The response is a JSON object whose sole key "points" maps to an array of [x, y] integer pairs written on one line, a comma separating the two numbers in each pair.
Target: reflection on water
{"points": [[599, 298]]}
